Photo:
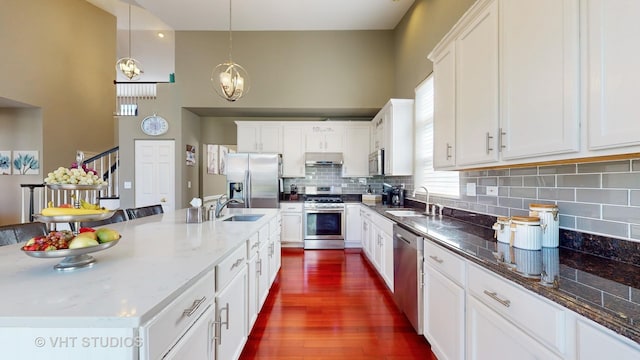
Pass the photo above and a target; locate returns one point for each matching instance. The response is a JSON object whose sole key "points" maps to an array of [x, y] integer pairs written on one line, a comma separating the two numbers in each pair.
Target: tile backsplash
{"points": [[331, 175], [599, 197]]}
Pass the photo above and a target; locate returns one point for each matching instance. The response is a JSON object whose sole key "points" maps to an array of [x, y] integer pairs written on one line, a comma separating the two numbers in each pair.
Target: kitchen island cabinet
{"points": [[101, 312]]}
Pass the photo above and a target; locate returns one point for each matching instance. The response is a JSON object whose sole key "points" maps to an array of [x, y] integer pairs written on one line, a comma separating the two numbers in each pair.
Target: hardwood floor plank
{"points": [[331, 304]]}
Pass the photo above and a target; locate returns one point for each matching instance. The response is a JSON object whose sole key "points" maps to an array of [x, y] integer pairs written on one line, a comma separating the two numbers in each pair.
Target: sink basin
{"points": [[243, 218], [404, 213]]}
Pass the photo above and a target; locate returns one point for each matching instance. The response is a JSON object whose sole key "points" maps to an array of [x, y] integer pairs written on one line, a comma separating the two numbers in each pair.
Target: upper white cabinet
{"points": [[293, 151], [324, 137], [539, 77], [444, 81], [356, 150], [612, 83], [393, 132], [259, 137]]}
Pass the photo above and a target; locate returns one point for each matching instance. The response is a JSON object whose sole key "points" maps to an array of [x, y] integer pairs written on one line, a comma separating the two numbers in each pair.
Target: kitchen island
{"points": [[101, 311]]}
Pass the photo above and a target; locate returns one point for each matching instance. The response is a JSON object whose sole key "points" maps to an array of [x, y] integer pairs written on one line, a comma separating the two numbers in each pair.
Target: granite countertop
{"points": [[603, 290]]}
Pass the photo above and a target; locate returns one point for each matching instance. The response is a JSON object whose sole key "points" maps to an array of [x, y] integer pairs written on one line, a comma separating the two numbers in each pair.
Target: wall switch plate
{"points": [[492, 191], [188, 184], [127, 184], [471, 189]]}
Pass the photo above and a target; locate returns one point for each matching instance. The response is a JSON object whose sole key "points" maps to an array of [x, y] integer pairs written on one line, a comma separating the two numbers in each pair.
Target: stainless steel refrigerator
{"points": [[254, 179]]}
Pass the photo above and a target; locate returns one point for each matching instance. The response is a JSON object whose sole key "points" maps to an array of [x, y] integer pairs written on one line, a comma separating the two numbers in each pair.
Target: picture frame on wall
{"points": [[5, 162], [212, 159], [191, 155], [223, 159], [26, 162]]}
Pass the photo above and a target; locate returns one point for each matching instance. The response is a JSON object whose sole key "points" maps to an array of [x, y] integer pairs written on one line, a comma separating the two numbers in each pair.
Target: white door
{"points": [[155, 173]]}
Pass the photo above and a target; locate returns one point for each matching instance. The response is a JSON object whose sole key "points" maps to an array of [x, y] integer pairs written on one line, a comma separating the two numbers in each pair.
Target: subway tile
{"points": [[567, 222], [635, 165], [503, 191], [462, 205], [518, 212], [510, 181], [498, 211], [540, 181], [568, 272], [501, 172], [605, 166], [556, 194], [479, 173], [557, 169], [524, 171], [579, 209], [527, 202], [621, 306], [635, 295], [488, 181], [518, 192], [488, 200], [481, 190], [602, 227], [611, 287], [621, 181], [621, 213], [478, 207], [510, 202], [582, 181], [635, 232], [614, 197], [584, 291]]}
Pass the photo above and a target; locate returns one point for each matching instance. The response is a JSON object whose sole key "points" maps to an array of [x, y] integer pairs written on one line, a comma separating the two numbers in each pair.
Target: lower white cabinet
{"points": [[291, 224], [262, 269], [198, 343], [253, 278], [366, 232], [231, 322], [597, 342], [274, 249], [353, 236], [377, 242]]}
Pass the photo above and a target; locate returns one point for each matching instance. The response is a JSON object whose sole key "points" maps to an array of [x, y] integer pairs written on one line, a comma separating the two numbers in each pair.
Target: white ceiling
{"points": [[258, 15]]}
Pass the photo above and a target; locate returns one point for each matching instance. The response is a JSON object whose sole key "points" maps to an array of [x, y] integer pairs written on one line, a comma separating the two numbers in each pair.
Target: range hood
{"points": [[323, 158]]}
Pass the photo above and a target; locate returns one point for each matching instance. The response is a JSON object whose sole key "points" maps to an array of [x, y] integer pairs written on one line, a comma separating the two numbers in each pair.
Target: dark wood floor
{"points": [[331, 304]]}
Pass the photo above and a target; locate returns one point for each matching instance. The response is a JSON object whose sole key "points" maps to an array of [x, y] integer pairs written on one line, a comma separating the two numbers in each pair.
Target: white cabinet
{"points": [[261, 137], [377, 241], [253, 278], [262, 266], [231, 323], [477, 113], [444, 302], [198, 342], [377, 132], [595, 342], [292, 150], [539, 78], [353, 237], [274, 250], [291, 224], [324, 137], [356, 150], [612, 57], [444, 129], [394, 125]]}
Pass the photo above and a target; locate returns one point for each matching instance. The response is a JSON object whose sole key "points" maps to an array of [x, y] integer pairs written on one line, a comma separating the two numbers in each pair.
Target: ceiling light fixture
{"points": [[230, 80], [128, 66]]}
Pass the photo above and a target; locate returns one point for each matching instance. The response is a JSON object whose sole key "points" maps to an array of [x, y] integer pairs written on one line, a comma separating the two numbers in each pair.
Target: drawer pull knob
{"points": [[494, 296], [196, 304], [436, 259]]}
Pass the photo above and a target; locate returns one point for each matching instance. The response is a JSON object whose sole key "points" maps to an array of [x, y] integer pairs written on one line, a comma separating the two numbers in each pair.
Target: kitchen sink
{"points": [[404, 213], [243, 218]]}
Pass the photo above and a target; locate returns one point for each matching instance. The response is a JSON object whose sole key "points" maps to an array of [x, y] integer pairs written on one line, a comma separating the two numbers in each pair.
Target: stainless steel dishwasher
{"points": [[408, 252]]}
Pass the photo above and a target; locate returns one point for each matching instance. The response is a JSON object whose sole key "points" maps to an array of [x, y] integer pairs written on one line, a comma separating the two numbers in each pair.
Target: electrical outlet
{"points": [[492, 191], [471, 189], [362, 181], [127, 184], [344, 185], [188, 184]]}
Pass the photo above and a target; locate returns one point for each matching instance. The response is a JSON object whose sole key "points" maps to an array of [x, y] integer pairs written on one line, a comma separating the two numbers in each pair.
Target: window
{"points": [[445, 183]]}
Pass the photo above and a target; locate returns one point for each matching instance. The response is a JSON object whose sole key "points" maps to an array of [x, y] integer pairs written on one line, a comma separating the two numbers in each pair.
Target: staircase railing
{"points": [[36, 196]]}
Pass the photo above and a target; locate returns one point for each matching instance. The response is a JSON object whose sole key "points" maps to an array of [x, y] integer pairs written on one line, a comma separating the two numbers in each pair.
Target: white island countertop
{"points": [[155, 260]]}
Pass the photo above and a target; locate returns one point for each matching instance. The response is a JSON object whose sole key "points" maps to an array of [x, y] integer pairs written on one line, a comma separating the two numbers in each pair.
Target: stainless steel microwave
{"points": [[376, 162]]}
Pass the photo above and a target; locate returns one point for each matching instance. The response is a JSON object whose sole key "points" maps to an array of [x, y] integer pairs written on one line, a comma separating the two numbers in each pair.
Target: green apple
{"points": [[106, 235], [82, 242], [89, 234]]}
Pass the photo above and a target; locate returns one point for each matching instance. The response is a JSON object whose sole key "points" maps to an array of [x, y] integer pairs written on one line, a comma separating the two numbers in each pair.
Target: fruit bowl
{"points": [[76, 187], [73, 258], [73, 218]]}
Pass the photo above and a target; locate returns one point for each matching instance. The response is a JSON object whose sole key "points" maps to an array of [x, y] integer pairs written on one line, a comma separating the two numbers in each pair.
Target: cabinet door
{"points": [[477, 112], [253, 277], [443, 315], [612, 78], [386, 241], [539, 77], [248, 138], [291, 227], [231, 305], [377, 133], [596, 342], [490, 336], [270, 136], [335, 142], [356, 151], [263, 272], [197, 343], [292, 151], [378, 257], [444, 123], [367, 234], [354, 224], [324, 138]]}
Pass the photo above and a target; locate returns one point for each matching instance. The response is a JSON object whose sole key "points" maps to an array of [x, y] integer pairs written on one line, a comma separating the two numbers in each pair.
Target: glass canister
{"points": [[502, 229], [526, 232], [549, 222]]}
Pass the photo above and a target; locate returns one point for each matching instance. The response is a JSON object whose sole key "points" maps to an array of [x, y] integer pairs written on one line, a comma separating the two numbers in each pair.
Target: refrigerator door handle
{"points": [[247, 193]]}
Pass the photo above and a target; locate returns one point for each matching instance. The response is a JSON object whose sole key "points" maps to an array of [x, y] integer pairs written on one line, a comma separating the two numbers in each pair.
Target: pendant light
{"points": [[230, 80], [128, 66]]}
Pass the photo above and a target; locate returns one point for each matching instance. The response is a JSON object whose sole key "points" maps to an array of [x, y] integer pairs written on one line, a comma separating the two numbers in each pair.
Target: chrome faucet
{"points": [[428, 209], [220, 205]]}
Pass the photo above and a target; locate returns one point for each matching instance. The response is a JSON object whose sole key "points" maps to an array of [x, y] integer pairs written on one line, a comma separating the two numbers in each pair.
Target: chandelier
{"points": [[128, 66], [230, 80]]}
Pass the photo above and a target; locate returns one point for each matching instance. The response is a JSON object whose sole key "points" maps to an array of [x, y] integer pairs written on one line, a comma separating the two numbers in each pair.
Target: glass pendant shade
{"points": [[130, 68], [230, 80]]}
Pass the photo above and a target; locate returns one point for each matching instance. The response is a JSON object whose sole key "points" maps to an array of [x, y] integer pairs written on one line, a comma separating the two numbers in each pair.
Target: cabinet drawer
{"points": [[252, 245], [528, 311], [291, 207], [445, 261], [230, 266], [161, 332], [383, 223]]}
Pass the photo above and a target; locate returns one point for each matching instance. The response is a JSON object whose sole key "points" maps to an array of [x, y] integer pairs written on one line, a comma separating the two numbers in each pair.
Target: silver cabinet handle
{"points": [[211, 333], [255, 245], [501, 144], [436, 259], [494, 296], [192, 309], [218, 324], [448, 151], [237, 263], [489, 137], [260, 267]]}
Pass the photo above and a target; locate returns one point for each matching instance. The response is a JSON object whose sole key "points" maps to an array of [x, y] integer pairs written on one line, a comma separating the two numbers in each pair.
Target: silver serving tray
{"points": [[73, 218], [76, 187], [73, 258]]}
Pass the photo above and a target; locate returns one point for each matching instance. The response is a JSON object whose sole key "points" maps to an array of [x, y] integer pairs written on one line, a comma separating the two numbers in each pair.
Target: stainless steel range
{"points": [[324, 218]]}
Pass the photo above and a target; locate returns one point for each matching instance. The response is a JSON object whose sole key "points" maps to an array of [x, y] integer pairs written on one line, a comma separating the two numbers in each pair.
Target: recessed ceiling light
{"points": [[161, 35]]}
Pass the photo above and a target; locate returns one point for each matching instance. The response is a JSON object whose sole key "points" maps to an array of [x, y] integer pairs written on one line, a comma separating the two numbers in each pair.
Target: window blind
{"points": [[445, 183]]}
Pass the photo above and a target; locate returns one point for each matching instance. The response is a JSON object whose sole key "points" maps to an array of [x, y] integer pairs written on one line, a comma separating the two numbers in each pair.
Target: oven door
{"points": [[324, 224]]}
